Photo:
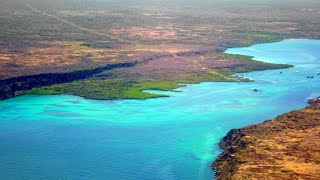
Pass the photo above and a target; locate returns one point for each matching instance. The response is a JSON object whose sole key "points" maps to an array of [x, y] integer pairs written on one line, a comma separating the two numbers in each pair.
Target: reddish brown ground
{"points": [[287, 147], [179, 67], [63, 56], [59, 56], [150, 33]]}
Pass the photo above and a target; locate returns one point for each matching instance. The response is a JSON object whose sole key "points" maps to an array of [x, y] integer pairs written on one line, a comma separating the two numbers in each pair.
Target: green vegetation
{"points": [[73, 37], [123, 88], [256, 37], [107, 89], [245, 64], [193, 78], [233, 56]]}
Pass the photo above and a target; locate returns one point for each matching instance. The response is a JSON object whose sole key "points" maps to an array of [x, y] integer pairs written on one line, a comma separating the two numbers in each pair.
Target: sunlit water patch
{"points": [[67, 137]]}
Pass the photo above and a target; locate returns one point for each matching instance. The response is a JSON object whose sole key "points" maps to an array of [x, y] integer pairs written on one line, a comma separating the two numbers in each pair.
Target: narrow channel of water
{"points": [[67, 137]]}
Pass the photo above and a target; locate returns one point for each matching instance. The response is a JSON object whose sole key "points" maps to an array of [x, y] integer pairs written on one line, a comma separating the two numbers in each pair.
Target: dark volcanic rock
{"points": [[9, 87], [314, 101]]}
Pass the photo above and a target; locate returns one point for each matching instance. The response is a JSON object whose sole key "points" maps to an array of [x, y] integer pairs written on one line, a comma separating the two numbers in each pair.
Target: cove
{"points": [[67, 137]]}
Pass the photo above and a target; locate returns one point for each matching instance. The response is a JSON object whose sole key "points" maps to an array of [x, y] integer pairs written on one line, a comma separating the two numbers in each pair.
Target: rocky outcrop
{"points": [[314, 101], [224, 165]]}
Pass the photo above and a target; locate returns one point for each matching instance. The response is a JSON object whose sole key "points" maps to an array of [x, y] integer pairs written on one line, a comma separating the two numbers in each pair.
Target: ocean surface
{"points": [[68, 137]]}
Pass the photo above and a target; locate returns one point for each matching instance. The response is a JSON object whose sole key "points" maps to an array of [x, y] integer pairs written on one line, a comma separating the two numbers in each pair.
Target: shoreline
{"points": [[7, 93], [271, 148], [175, 85], [41, 89]]}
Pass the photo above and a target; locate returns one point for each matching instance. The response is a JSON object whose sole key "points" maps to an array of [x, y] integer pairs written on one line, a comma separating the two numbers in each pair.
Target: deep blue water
{"points": [[67, 137]]}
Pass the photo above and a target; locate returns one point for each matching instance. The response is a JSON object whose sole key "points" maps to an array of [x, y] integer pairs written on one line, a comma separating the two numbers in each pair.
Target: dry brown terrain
{"points": [[177, 41], [54, 37], [190, 68], [287, 147], [66, 56]]}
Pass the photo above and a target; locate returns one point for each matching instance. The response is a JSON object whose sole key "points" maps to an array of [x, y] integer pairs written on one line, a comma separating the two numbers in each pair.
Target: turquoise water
{"points": [[67, 137]]}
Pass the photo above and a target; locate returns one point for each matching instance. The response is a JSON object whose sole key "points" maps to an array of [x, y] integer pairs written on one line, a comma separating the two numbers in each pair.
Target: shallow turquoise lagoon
{"points": [[67, 137]]}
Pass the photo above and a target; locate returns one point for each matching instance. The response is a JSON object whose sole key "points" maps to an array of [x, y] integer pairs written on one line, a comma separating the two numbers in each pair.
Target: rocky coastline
{"points": [[283, 148]]}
